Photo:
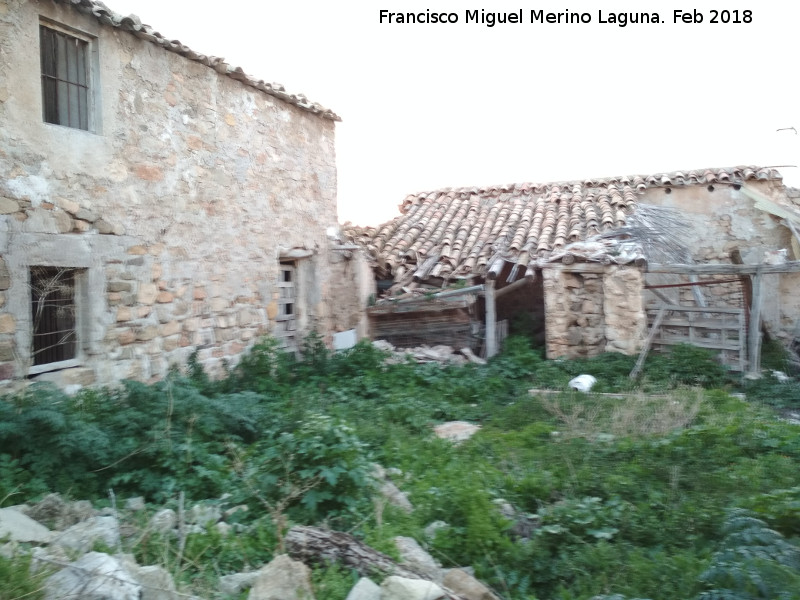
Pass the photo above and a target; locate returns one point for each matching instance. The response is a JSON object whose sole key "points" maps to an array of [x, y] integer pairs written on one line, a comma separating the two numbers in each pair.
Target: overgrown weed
{"points": [[633, 415]]}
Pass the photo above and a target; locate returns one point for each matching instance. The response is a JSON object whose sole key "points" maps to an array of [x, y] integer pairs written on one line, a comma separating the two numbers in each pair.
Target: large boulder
{"points": [[18, 527], [84, 535], [55, 512], [282, 579], [156, 581], [95, 576]]}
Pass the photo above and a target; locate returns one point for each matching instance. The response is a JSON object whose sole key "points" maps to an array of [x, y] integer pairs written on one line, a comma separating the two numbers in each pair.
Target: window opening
{"points": [[286, 321], [65, 78], [53, 314]]}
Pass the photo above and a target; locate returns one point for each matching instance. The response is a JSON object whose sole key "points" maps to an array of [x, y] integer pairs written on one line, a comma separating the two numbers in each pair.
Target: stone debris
{"points": [[90, 575], [431, 529], [396, 497], [365, 589], [401, 588], [415, 558], [84, 535], [135, 504], [456, 431], [156, 582], [234, 584], [18, 527], [94, 576], [523, 524], [445, 355], [203, 515], [465, 585], [164, 520], [55, 512], [282, 579]]}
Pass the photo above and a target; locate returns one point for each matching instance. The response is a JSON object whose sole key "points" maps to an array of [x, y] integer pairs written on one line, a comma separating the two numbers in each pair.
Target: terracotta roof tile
{"points": [[466, 229], [134, 25]]}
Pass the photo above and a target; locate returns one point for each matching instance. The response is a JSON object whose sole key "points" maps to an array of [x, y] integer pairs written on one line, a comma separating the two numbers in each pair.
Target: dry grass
{"points": [[635, 415]]}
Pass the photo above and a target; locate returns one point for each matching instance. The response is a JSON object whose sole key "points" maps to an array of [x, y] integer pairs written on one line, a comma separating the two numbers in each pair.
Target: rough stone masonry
{"points": [[173, 211]]}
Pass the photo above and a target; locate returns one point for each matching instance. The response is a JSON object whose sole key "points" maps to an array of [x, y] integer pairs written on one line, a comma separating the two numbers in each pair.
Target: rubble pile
{"points": [[445, 355]]}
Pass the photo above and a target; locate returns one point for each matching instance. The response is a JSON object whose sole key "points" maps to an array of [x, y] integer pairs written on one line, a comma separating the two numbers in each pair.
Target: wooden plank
{"points": [[710, 310], [724, 269], [658, 294], [672, 340], [754, 333], [573, 268], [491, 319], [691, 283], [700, 324], [795, 239], [742, 343], [646, 347]]}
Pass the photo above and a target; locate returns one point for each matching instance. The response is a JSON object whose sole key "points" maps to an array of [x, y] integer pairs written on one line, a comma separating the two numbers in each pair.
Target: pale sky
{"points": [[426, 106]]}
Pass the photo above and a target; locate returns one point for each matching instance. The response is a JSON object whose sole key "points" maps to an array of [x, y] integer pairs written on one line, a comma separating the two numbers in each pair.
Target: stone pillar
{"points": [[625, 318], [556, 313]]}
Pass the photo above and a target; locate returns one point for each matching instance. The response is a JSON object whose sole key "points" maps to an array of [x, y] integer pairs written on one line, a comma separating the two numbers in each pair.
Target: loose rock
{"points": [[282, 579], [400, 588], [365, 589], [95, 576]]}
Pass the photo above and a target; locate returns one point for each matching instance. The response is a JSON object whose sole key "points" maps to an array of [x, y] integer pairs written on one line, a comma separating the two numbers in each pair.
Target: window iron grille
{"points": [[53, 314], [65, 78]]}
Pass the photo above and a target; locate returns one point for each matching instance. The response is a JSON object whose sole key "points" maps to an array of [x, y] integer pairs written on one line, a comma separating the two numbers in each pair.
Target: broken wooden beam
{"points": [[648, 342], [725, 269], [754, 330], [320, 546]]}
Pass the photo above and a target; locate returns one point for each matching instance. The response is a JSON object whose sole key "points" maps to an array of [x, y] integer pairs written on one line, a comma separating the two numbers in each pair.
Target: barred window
{"points": [[53, 314], [65, 78]]}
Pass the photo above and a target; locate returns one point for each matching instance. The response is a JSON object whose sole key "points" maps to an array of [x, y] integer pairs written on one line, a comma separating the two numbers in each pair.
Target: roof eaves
{"points": [[134, 25]]}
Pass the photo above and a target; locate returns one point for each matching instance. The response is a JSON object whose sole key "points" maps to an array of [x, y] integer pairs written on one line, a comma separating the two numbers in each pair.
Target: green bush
{"points": [[753, 563]]}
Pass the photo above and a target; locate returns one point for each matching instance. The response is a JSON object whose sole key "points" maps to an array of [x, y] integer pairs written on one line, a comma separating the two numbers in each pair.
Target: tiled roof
{"points": [[134, 25], [459, 233]]}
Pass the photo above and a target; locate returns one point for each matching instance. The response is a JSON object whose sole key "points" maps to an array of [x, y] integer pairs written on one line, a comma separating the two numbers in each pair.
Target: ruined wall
{"points": [[352, 285], [176, 207], [723, 219], [587, 313]]}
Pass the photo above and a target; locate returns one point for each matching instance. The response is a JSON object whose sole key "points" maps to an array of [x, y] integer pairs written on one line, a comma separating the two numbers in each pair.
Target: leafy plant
{"points": [[753, 563]]}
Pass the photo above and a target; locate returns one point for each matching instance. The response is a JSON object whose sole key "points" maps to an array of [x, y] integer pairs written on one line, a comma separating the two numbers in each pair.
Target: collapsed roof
{"points": [[461, 233]]}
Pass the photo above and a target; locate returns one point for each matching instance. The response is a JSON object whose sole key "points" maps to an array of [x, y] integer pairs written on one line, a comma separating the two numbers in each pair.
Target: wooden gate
{"points": [[720, 329]]}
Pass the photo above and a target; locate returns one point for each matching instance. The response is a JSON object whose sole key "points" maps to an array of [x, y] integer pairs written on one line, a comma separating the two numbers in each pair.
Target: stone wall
{"points": [[177, 207], [352, 286], [587, 313]]}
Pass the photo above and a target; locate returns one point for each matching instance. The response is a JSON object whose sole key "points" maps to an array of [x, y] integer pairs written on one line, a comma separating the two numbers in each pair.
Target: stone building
{"points": [[154, 202], [584, 266]]}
